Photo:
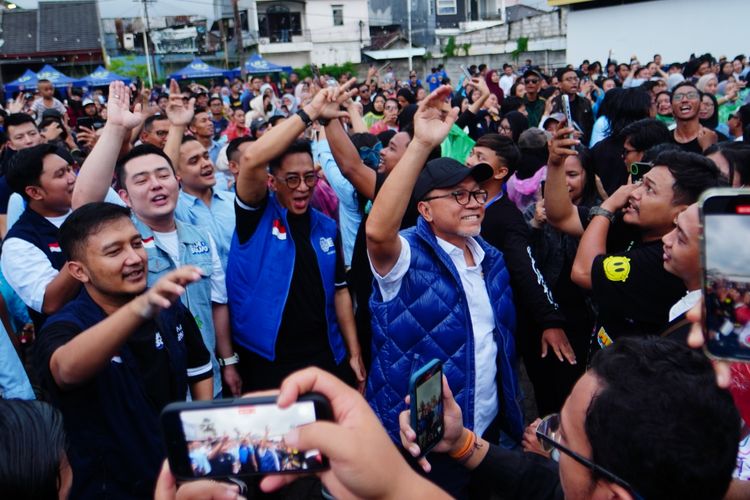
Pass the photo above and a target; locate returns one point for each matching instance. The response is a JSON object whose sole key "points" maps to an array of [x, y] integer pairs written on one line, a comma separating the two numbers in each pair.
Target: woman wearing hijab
{"points": [[290, 102], [493, 79], [709, 113], [513, 124]]}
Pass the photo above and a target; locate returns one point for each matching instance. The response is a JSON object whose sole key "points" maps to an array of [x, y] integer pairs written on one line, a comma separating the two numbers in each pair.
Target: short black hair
{"points": [[234, 146], [504, 148], [660, 422], [17, 119], [737, 155], [298, 146], [693, 174], [84, 221], [27, 165], [646, 133], [34, 443], [136, 152], [148, 124]]}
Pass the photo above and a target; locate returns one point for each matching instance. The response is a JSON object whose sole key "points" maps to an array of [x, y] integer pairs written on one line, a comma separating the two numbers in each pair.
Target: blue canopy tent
{"points": [[256, 64], [197, 70], [102, 76], [58, 79], [27, 81]]}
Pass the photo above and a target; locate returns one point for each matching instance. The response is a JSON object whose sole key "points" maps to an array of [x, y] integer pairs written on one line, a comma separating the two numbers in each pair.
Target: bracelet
{"points": [[232, 360], [305, 117], [466, 448], [594, 211], [324, 121]]}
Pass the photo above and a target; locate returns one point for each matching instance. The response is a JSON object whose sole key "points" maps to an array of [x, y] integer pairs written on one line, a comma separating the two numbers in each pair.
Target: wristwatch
{"points": [[232, 360], [594, 211], [305, 117]]}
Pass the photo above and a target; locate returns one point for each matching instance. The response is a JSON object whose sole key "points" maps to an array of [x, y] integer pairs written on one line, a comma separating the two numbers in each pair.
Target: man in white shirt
{"points": [[507, 79]]}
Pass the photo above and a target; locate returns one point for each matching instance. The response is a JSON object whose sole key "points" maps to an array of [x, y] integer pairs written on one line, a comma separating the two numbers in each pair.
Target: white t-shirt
{"points": [[27, 269], [684, 304], [482, 320], [506, 82]]}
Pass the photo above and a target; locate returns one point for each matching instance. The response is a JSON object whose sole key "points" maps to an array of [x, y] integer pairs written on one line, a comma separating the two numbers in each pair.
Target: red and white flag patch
{"points": [[55, 247], [278, 230], [149, 242]]}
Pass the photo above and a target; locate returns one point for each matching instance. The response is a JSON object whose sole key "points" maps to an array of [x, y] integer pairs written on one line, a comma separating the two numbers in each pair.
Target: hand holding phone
{"points": [[426, 396], [638, 169], [565, 99], [725, 218]]}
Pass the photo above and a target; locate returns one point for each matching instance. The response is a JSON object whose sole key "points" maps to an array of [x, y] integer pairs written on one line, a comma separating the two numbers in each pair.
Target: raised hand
{"points": [[179, 112], [165, 292], [118, 107], [434, 117], [16, 105], [561, 145]]}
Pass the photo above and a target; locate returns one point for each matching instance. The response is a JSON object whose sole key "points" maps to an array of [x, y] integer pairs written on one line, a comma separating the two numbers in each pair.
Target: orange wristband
{"points": [[466, 448]]}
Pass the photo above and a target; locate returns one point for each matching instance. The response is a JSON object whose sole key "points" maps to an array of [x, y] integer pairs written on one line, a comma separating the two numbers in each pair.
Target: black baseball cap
{"points": [[532, 72], [447, 172]]}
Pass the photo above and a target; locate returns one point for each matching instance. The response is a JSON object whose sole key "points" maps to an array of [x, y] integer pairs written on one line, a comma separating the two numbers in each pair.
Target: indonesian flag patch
{"points": [[149, 242], [278, 230], [55, 247]]}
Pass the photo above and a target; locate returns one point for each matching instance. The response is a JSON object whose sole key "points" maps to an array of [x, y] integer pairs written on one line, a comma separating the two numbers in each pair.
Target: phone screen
{"points": [[566, 110], [429, 408], [241, 439], [726, 231]]}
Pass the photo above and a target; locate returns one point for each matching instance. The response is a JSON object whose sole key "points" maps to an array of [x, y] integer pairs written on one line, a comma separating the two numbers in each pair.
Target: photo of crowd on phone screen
{"points": [[728, 286], [429, 412], [247, 439]]}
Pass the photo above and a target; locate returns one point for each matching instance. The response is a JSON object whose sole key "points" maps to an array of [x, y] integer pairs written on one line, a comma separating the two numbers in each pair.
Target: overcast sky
{"points": [[727, 237]]}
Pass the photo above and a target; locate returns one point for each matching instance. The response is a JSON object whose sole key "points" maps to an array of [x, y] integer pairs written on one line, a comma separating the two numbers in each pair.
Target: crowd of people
{"points": [[206, 241]]}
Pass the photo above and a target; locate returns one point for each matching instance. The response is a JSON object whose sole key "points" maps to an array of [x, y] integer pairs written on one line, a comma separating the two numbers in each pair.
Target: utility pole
{"points": [[146, 30], [408, 19], [238, 37]]}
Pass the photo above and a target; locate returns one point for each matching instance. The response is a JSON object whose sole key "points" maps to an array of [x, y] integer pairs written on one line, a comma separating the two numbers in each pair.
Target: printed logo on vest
{"points": [[199, 248], [180, 333], [278, 230], [158, 342], [603, 339], [326, 244], [149, 242], [55, 247]]}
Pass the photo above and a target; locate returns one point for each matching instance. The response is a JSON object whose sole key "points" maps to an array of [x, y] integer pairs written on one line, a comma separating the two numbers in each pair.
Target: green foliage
{"points": [[334, 70], [127, 66], [450, 47], [522, 45], [427, 56], [466, 47]]}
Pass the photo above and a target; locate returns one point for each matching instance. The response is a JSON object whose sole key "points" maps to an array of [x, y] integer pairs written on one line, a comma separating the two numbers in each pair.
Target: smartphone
{"points": [[240, 437], [466, 72], [725, 219], [638, 169], [426, 391], [86, 122], [566, 111]]}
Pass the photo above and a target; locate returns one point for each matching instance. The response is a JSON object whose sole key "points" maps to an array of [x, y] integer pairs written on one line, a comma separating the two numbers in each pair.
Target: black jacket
{"points": [[583, 115]]}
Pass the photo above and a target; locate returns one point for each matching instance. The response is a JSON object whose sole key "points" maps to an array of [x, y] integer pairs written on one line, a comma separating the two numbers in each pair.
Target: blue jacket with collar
{"points": [[429, 318], [259, 274]]}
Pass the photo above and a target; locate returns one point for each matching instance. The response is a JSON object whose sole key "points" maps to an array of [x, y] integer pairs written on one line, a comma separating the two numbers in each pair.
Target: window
{"points": [[446, 7], [338, 15]]}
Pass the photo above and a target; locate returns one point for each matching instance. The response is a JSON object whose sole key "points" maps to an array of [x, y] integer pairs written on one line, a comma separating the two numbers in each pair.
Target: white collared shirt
{"points": [[482, 320], [684, 304]]}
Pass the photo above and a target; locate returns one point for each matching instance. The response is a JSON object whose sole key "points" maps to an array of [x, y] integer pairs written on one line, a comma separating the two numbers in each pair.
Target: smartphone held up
{"points": [[240, 437], [426, 397], [725, 218]]}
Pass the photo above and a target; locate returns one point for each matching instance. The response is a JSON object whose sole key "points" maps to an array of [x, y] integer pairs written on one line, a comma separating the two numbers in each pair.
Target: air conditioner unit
{"points": [[128, 41]]}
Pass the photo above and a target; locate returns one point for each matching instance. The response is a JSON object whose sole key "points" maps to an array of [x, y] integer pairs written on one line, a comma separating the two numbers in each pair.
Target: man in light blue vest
{"points": [[288, 298], [148, 185], [441, 291]]}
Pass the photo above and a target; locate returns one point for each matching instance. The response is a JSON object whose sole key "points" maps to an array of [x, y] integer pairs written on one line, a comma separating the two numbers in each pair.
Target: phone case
{"points": [[431, 366]]}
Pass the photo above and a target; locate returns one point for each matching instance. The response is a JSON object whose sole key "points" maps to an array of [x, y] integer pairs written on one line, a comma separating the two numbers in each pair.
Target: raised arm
{"points": [[180, 114], [251, 181], [431, 125], [95, 176], [561, 212]]}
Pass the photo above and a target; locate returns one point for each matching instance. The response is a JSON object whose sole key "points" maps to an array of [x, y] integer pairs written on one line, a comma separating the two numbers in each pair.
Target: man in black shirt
{"points": [[689, 134], [580, 107], [289, 303], [117, 354]]}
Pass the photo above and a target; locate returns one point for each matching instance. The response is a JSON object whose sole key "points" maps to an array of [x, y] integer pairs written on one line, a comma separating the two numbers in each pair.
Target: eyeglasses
{"points": [[548, 434], [692, 95], [294, 181], [571, 79], [532, 81], [462, 196], [625, 152]]}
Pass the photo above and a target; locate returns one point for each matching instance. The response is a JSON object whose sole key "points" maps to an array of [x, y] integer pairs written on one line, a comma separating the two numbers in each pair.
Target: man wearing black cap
{"points": [[441, 291], [533, 102]]}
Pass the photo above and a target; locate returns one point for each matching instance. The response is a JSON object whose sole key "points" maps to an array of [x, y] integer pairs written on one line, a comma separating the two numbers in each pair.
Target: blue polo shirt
{"points": [[218, 219]]}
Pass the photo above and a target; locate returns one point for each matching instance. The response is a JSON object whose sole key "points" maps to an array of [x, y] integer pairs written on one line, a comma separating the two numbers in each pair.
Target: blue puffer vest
{"points": [[429, 318], [259, 274]]}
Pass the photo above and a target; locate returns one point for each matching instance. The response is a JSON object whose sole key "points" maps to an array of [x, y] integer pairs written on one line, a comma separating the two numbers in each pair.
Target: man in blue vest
{"points": [[115, 355], [148, 185], [441, 291], [286, 283], [32, 259]]}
